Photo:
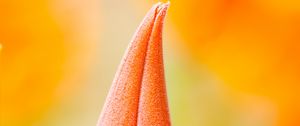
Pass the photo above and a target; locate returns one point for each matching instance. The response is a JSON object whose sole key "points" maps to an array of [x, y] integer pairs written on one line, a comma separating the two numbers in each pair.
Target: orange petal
{"points": [[153, 105], [138, 95]]}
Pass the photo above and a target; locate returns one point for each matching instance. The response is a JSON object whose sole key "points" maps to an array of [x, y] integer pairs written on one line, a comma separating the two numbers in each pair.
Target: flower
{"points": [[138, 94]]}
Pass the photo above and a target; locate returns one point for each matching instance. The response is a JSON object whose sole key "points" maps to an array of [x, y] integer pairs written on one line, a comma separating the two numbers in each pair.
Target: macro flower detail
{"points": [[138, 92]]}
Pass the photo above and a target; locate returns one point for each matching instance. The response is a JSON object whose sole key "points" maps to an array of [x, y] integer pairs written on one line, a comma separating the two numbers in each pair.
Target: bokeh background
{"points": [[227, 62]]}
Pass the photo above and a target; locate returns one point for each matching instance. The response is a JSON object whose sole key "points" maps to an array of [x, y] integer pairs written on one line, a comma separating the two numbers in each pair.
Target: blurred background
{"points": [[227, 62]]}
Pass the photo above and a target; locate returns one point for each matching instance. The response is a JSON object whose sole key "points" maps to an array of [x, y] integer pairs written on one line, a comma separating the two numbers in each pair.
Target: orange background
{"points": [[227, 62]]}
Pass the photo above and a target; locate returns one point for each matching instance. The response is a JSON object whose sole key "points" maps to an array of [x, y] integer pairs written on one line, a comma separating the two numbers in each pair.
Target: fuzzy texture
{"points": [[138, 93]]}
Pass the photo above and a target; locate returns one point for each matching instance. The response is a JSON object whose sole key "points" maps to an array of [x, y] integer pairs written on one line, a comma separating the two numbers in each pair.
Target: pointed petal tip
{"points": [[157, 5], [121, 105], [163, 7], [167, 4]]}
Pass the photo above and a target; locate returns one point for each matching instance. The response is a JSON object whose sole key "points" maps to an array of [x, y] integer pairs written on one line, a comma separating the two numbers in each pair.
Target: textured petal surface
{"points": [[142, 65], [153, 106]]}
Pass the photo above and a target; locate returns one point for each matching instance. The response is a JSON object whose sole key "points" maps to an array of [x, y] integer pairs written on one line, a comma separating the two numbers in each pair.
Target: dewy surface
{"points": [[138, 93]]}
